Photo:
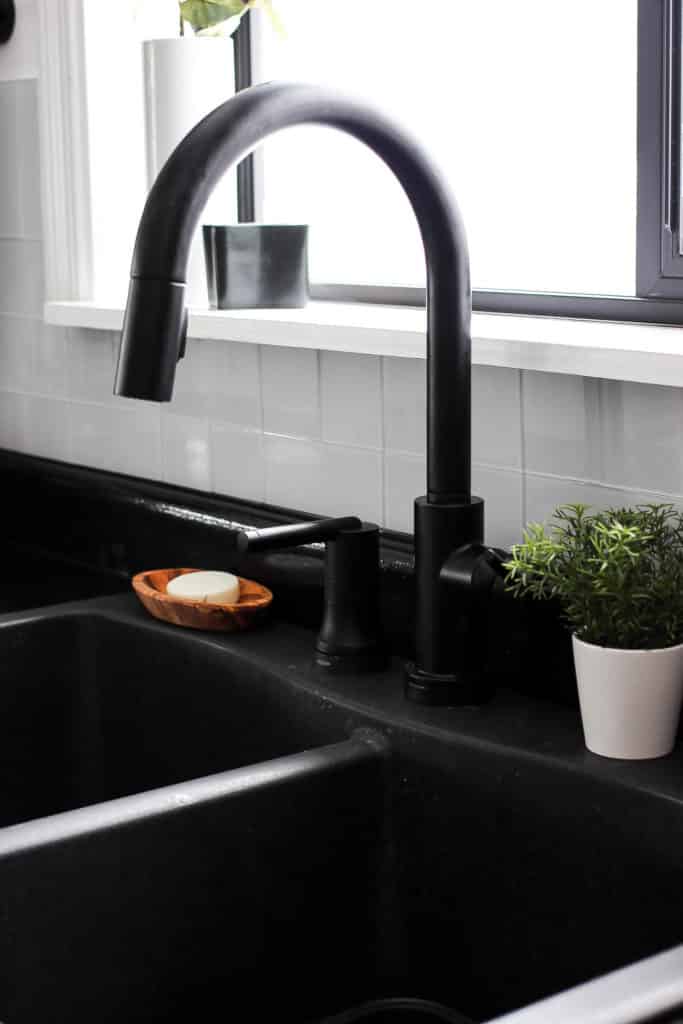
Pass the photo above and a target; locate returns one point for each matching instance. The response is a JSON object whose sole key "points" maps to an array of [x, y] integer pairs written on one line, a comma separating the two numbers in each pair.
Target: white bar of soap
{"points": [[214, 587]]}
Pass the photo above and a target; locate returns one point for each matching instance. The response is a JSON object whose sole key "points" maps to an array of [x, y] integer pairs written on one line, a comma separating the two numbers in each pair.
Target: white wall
{"points": [[322, 432]]}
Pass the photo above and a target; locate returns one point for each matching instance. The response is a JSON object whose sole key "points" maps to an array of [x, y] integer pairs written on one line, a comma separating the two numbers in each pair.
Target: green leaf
{"points": [[205, 14], [211, 16], [617, 573]]}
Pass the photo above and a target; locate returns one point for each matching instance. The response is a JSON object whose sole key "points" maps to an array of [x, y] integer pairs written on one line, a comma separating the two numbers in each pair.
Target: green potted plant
{"points": [[618, 577]]}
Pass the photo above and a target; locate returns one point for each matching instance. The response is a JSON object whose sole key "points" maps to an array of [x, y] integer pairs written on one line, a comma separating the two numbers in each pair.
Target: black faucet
{"points": [[448, 518]]}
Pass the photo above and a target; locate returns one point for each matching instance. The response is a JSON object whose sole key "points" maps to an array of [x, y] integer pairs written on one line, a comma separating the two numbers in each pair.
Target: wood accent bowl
{"points": [[150, 587]]}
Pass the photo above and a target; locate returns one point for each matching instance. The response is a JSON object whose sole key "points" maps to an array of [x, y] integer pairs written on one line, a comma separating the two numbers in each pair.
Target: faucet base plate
{"points": [[443, 690], [369, 660]]}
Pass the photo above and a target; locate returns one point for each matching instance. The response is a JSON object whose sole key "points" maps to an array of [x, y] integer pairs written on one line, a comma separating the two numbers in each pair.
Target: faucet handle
{"points": [[475, 569], [472, 575], [292, 534]]}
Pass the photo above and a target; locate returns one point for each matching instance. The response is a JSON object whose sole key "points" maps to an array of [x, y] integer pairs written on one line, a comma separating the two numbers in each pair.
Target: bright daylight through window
{"points": [[529, 108]]}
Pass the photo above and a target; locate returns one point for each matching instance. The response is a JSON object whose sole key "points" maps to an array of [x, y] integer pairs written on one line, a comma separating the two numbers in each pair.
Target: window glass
{"points": [[529, 107]]}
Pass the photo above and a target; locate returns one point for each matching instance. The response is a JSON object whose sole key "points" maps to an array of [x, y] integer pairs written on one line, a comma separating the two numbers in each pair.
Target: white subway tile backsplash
{"points": [[404, 480], [185, 452], [290, 390], [351, 399], [34, 424], [502, 491], [237, 462], [496, 411], [21, 277], [13, 433], [323, 478], [561, 429], [27, 158], [405, 404], [46, 426], [10, 218], [20, 213], [90, 359], [496, 417], [545, 493], [49, 371], [585, 440], [193, 381], [648, 424], [610, 432], [17, 343], [219, 380], [116, 439]]}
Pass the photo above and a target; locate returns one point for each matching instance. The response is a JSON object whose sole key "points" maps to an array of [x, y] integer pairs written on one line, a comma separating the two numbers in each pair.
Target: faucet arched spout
{"points": [[154, 325]]}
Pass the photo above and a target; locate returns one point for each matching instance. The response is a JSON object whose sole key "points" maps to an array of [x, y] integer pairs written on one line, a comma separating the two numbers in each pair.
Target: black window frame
{"points": [[659, 264], [659, 271], [246, 190]]}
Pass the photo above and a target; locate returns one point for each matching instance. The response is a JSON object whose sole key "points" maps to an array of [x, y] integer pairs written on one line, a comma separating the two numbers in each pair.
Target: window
{"points": [[513, 103], [558, 124], [532, 109], [660, 244]]}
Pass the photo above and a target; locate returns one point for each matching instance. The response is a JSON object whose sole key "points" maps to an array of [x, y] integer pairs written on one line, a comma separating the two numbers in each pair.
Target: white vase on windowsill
{"points": [[184, 79]]}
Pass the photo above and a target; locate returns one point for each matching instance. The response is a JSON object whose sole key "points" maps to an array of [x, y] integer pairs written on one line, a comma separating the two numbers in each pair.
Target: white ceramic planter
{"points": [[630, 700], [184, 79]]}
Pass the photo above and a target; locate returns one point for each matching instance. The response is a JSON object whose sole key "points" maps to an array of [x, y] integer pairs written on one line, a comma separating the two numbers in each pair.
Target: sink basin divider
{"points": [[253, 887], [635, 994], [364, 746]]}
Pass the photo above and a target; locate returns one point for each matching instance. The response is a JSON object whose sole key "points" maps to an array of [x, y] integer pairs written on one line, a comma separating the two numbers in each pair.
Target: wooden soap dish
{"points": [[253, 603]]}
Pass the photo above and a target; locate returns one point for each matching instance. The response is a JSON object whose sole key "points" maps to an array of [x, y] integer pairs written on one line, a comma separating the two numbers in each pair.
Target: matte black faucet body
{"points": [[447, 518]]}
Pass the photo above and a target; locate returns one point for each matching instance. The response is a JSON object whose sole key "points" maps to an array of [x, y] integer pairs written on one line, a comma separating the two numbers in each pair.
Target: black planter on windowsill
{"points": [[256, 266]]}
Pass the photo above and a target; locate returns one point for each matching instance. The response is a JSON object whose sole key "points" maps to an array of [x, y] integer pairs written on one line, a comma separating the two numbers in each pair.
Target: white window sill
{"points": [[588, 348]]}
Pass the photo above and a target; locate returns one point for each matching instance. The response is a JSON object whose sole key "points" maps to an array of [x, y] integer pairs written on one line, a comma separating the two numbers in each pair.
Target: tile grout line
{"points": [[522, 450], [319, 395], [604, 485], [262, 421], [382, 436], [259, 364], [33, 239]]}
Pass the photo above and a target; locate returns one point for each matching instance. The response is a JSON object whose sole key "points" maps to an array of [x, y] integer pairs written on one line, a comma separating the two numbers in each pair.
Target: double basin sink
{"points": [[193, 823]]}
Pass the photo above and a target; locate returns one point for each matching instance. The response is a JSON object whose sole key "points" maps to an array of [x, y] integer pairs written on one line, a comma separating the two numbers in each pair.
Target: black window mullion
{"points": [[659, 264], [246, 205]]}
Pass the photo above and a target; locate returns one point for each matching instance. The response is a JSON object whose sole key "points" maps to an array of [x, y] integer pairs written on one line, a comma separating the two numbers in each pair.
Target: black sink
{"points": [[239, 831], [32, 579], [94, 707], [247, 895]]}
